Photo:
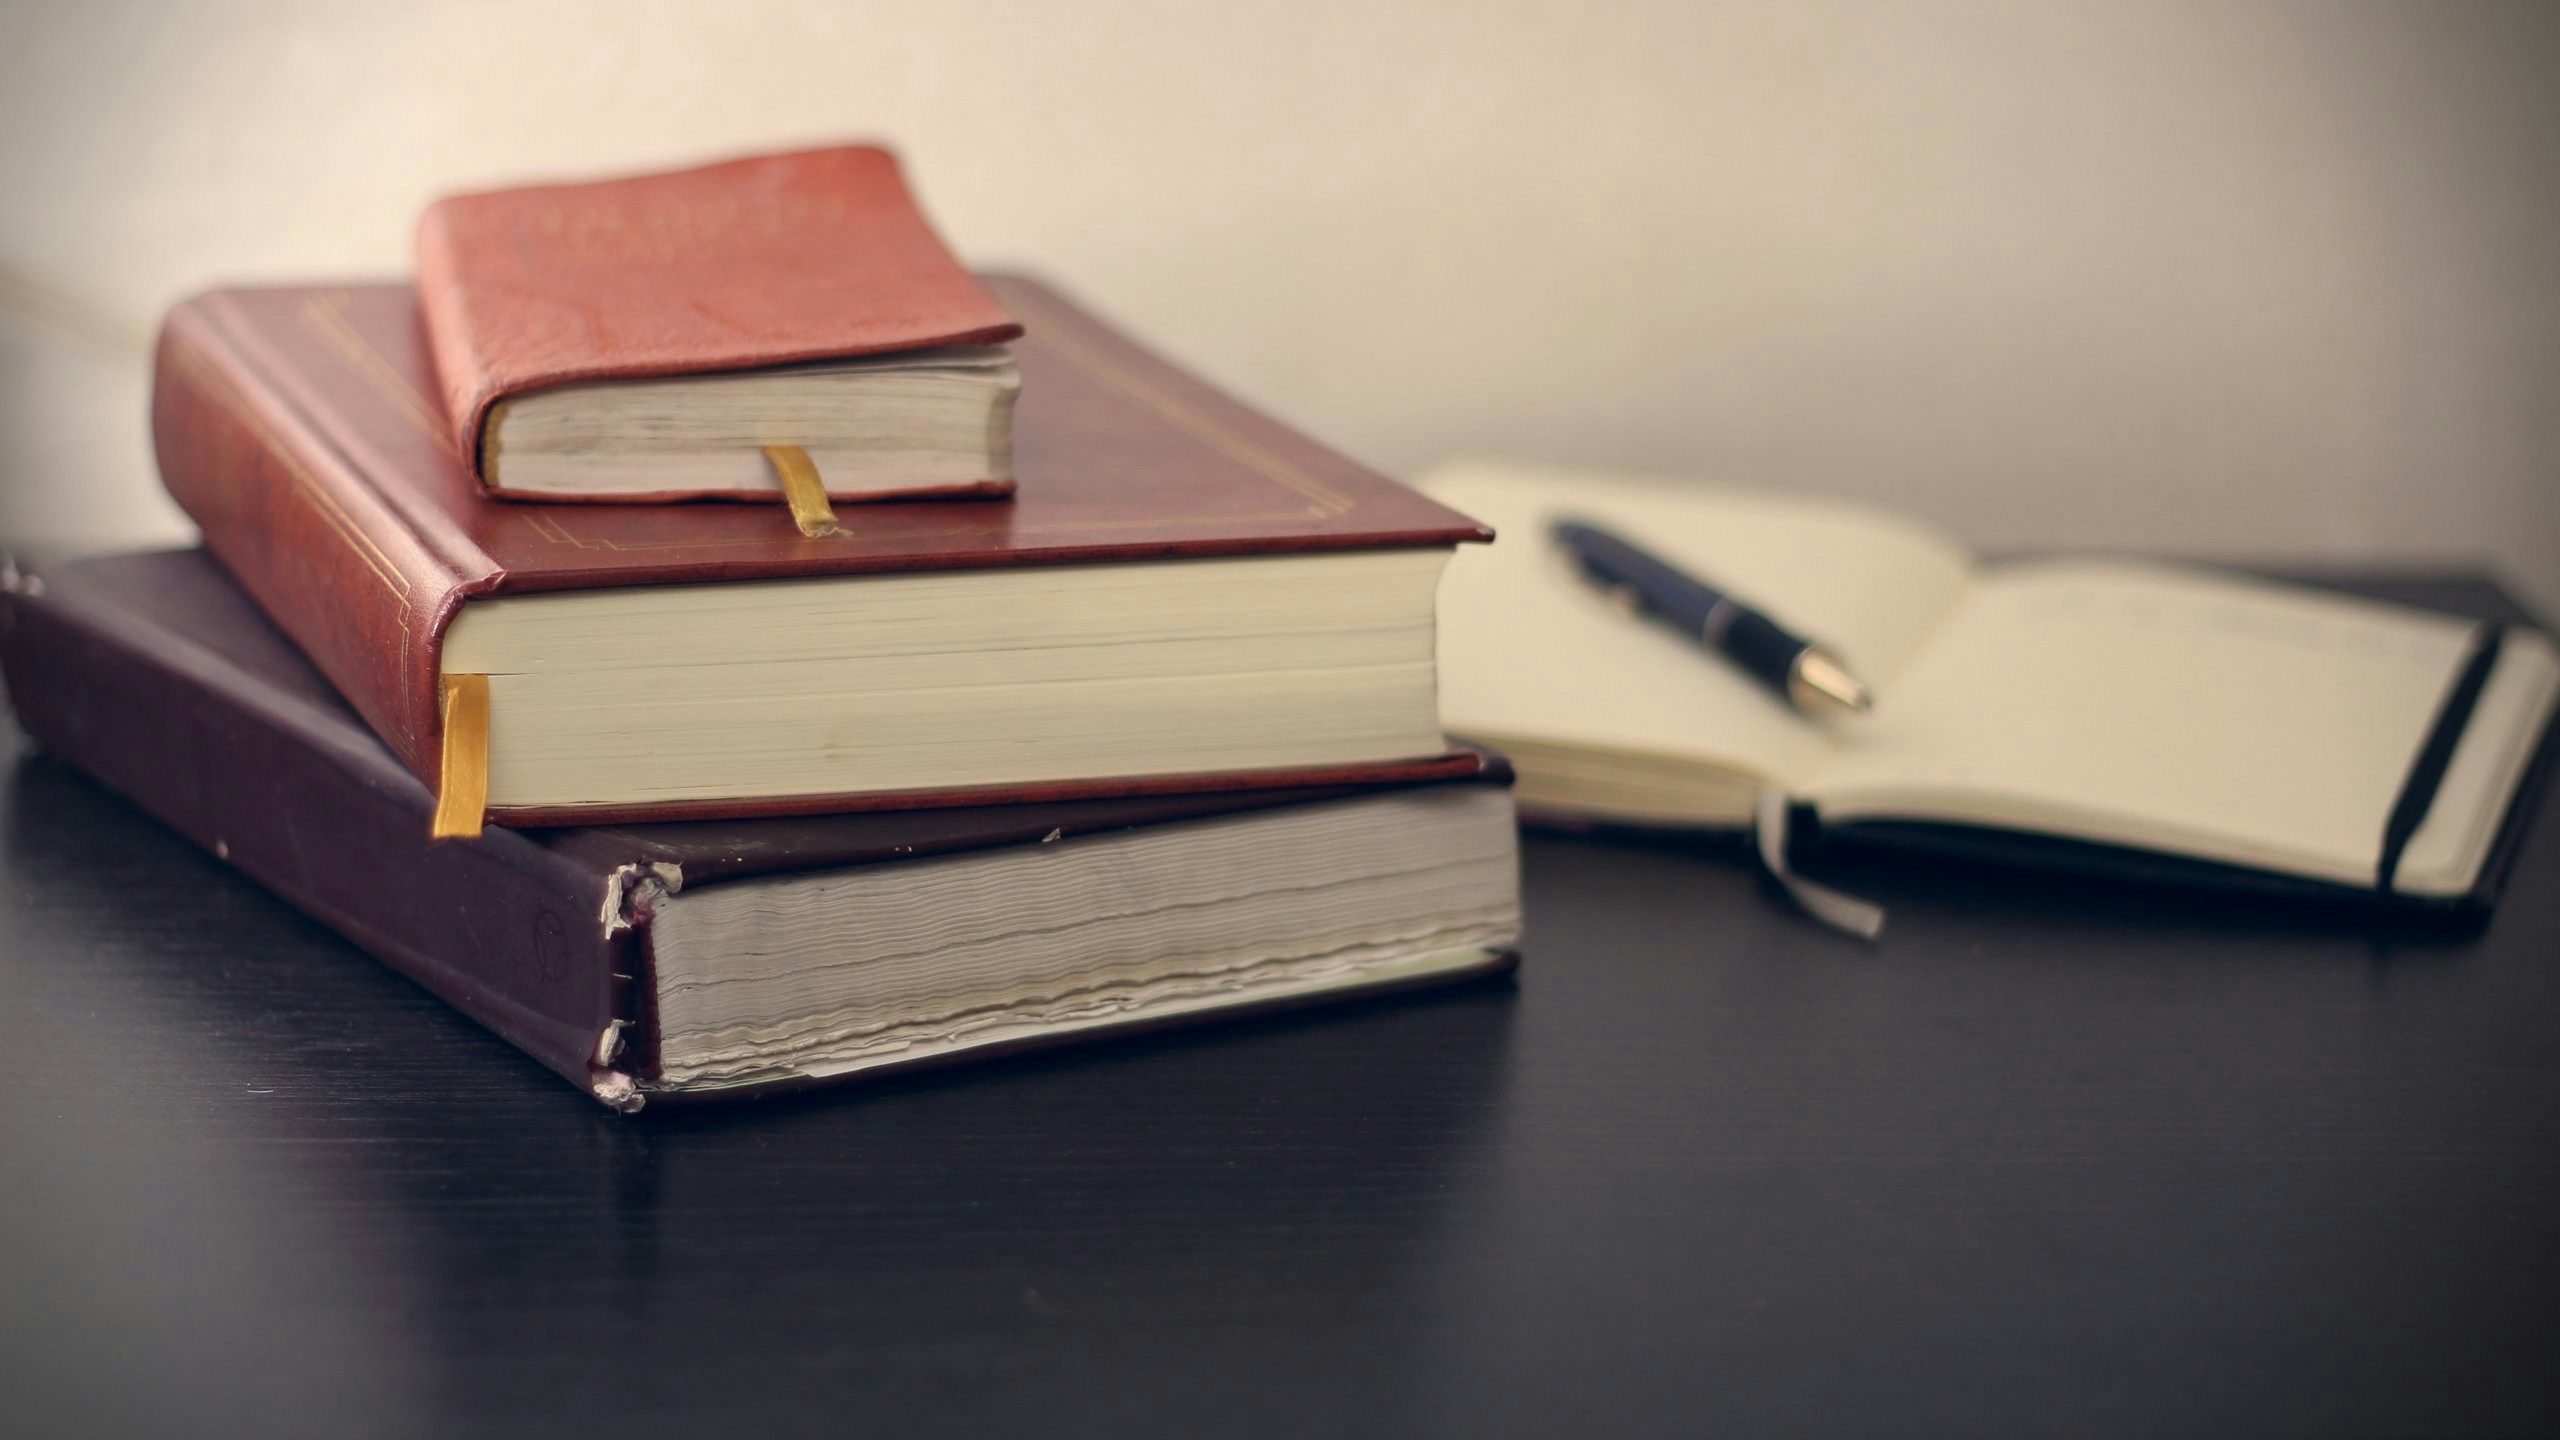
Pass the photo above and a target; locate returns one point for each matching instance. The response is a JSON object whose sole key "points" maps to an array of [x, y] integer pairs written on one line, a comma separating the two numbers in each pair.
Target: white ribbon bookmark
{"points": [[1832, 907]]}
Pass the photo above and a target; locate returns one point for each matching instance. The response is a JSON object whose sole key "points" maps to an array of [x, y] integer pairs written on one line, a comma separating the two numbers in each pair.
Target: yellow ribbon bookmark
{"points": [[802, 487], [462, 793]]}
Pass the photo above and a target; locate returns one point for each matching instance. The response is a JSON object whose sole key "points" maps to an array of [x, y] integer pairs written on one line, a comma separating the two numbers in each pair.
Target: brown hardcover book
{"points": [[715, 959], [803, 294], [1072, 642]]}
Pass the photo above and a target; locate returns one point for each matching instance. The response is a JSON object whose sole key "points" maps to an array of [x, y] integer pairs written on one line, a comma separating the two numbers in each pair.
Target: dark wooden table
{"points": [[2048, 1160]]}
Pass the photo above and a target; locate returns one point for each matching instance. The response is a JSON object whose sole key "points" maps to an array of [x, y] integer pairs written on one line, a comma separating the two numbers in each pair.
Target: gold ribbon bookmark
{"points": [[462, 792], [806, 492]]}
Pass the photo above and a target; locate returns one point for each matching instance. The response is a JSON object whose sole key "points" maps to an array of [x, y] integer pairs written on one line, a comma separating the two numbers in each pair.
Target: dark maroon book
{"points": [[730, 957]]}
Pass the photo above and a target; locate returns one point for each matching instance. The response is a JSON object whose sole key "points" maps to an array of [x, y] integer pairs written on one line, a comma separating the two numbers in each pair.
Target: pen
{"points": [[1811, 678]]}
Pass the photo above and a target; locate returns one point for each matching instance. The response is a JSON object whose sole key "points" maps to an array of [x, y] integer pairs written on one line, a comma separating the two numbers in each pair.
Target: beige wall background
{"points": [[2236, 279]]}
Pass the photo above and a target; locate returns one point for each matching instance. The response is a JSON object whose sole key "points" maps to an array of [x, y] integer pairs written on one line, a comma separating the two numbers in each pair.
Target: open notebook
{"points": [[2164, 710]]}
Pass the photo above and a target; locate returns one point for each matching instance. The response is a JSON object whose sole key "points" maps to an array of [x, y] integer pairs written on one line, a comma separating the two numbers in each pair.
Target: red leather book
{"points": [[299, 427], [156, 677], [754, 263]]}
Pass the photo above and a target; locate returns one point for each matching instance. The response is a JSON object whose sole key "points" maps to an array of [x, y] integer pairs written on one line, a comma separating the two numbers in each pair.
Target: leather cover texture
{"points": [[155, 676], [770, 260], [299, 428]]}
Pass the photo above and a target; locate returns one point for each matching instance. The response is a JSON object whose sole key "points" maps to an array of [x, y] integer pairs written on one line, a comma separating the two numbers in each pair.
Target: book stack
{"points": [[994, 683]]}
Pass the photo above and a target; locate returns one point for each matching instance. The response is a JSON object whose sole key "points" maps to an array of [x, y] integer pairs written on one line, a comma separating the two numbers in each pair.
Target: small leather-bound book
{"points": [[1184, 595], [648, 337], [717, 959]]}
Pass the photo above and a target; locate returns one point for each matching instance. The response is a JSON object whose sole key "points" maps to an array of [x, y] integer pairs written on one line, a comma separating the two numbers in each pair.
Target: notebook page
{"points": [[2149, 705], [1530, 652]]}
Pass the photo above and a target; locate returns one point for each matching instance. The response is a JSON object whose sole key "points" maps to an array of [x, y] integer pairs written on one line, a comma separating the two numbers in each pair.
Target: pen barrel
{"points": [[1759, 646], [1656, 588], [1755, 644]]}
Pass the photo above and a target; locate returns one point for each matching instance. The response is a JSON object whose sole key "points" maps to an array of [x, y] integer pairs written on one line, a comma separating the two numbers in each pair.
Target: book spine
{"points": [[462, 374], [328, 559], [506, 931]]}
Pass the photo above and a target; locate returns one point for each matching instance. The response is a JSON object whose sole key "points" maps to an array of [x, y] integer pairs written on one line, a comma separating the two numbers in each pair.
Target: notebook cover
{"points": [[768, 260], [155, 676], [300, 428]]}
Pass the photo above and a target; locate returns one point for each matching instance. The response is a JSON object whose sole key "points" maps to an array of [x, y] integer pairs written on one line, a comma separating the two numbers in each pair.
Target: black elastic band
{"points": [[2418, 792]]}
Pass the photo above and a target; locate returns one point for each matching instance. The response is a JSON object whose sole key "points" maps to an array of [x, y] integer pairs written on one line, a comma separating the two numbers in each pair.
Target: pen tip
{"points": [[1820, 683]]}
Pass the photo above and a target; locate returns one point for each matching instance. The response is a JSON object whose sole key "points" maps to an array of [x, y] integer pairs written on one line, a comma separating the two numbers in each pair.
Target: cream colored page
{"points": [[1529, 651], [2148, 705]]}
